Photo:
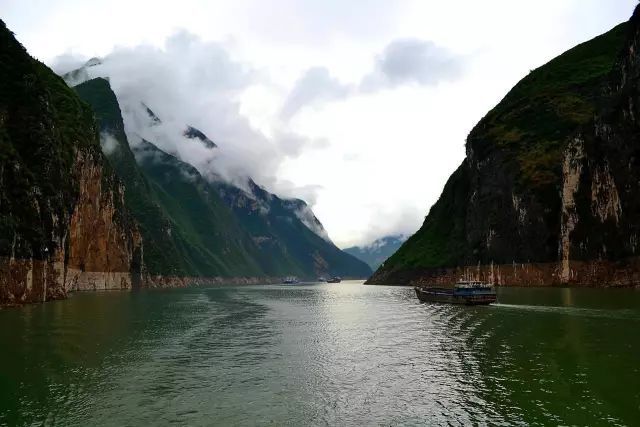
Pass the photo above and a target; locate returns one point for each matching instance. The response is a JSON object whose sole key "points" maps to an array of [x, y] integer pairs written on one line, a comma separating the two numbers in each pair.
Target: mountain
{"points": [[205, 226], [63, 225], [289, 234], [187, 229], [377, 252], [548, 193]]}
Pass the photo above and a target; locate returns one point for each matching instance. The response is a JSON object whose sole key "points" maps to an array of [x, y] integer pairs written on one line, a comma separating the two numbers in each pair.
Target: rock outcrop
{"points": [[549, 193]]}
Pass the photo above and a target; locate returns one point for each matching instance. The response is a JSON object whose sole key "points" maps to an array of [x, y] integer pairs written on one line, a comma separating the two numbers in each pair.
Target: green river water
{"points": [[321, 354]]}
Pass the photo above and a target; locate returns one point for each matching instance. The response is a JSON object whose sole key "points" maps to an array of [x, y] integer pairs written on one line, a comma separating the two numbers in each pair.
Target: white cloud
{"points": [[108, 143], [189, 81], [314, 86], [413, 61], [66, 62], [403, 61]]}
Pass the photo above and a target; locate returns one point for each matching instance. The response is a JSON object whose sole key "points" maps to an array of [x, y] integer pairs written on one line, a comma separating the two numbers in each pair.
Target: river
{"points": [[321, 354]]}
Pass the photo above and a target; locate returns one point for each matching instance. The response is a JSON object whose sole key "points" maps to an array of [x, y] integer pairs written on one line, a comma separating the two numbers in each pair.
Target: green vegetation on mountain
{"points": [[533, 121], [209, 237], [161, 254]]}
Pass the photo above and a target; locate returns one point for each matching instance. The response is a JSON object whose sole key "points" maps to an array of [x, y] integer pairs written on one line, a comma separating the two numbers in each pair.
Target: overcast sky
{"points": [[360, 107]]}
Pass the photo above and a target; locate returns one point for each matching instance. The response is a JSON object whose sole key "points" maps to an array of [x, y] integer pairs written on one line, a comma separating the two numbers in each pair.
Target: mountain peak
{"points": [[93, 62], [194, 133]]}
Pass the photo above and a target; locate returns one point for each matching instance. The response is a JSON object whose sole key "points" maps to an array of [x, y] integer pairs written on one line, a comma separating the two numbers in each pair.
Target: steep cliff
{"points": [[548, 192], [63, 225], [161, 251]]}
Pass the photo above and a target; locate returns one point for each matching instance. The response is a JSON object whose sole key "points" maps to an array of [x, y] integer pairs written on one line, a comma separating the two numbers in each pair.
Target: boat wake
{"points": [[574, 311]]}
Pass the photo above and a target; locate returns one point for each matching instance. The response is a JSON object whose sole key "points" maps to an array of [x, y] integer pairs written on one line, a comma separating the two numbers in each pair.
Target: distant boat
{"points": [[291, 280], [464, 292], [334, 279], [322, 279]]}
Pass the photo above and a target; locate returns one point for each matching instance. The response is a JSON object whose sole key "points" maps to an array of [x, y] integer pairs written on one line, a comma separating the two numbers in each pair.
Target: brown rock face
{"points": [[99, 247], [105, 248], [598, 273]]}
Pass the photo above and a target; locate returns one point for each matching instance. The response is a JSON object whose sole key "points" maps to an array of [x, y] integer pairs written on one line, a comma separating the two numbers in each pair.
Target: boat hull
{"points": [[447, 296]]}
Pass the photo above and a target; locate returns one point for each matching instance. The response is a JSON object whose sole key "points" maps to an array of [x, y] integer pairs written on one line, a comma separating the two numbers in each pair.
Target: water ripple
{"points": [[321, 355]]}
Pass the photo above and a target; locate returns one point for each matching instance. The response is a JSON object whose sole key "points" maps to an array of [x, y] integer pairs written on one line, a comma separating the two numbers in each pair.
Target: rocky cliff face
{"points": [[95, 247], [105, 247], [62, 222], [549, 191]]}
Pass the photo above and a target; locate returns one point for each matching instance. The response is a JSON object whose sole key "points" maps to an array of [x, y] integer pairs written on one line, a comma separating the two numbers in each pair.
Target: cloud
{"points": [[308, 218], [403, 61], [191, 82], [316, 85], [393, 223], [318, 22], [108, 143], [406, 61], [66, 62], [308, 193]]}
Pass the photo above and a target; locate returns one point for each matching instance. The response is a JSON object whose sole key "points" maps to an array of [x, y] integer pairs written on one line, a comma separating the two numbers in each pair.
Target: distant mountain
{"points": [[208, 227], [377, 252], [549, 191]]}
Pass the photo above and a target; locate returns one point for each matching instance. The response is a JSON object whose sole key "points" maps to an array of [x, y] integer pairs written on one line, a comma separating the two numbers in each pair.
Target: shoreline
{"points": [[21, 289], [624, 273]]}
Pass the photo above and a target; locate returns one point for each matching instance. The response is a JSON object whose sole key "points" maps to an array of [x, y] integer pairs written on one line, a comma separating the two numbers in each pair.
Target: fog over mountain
{"points": [[361, 109], [189, 82]]}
